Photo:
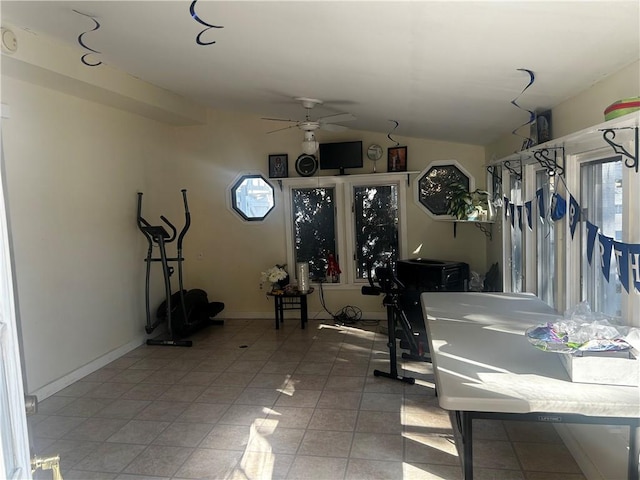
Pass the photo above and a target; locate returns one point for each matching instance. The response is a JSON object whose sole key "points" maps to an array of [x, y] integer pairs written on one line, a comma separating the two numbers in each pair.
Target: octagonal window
{"points": [[433, 193], [252, 197]]}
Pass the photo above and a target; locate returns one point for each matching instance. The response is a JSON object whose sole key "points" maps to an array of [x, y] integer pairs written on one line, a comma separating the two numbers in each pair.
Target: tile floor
{"points": [[249, 402]]}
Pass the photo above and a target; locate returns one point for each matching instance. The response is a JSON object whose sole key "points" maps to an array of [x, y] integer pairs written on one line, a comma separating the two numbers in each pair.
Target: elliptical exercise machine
{"points": [[185, 311], [392, 288]]}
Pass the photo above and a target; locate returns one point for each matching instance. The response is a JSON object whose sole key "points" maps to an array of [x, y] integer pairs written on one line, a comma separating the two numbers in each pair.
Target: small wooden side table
{"points": [[290, 300]]}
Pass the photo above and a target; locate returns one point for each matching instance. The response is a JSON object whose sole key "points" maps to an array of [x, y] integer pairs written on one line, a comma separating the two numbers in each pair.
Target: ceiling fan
{"points": [[329, 123]]}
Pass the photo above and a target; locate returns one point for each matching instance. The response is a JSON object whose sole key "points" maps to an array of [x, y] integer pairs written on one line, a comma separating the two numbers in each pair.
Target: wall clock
{"points": [[374, 152], [306, 165]]}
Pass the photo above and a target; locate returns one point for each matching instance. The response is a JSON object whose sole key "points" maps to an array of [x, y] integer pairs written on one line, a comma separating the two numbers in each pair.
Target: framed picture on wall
{"points": [[279, 165], [397, 159]]}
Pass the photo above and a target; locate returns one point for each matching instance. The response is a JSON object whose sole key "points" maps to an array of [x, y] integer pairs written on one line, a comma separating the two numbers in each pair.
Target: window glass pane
{"points": [[314, 227], [545, 243], [516, 237], [601, 200], [252, 197], [376, 227], [433, 187]]}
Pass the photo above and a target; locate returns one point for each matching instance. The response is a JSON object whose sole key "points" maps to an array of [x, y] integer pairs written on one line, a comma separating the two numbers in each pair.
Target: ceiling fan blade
{"points": [[284, 128], [279, 119], [337, 118], [332, 127]]}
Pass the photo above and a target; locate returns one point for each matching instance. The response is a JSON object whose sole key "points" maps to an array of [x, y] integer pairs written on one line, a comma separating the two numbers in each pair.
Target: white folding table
{"points": [[485, 368]]}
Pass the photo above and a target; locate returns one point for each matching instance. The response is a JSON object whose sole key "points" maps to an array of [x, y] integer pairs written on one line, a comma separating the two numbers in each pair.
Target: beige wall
{"points": [[72, 170]]}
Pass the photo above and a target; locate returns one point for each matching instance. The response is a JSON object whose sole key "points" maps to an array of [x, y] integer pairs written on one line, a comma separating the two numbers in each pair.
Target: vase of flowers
{"points": [[277, 276]]}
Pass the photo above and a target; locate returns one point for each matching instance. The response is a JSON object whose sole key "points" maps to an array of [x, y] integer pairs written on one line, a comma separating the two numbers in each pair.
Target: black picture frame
{"points": [[279, 165], [397, 159]]}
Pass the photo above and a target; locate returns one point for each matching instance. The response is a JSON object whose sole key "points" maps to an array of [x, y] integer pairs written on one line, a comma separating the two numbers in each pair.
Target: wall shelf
{"points": [[350, 176], [583, 140], [481, 224]]}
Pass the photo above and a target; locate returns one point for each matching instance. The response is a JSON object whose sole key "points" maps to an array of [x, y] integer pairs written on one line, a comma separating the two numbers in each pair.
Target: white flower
{"points": [[274, 274]]}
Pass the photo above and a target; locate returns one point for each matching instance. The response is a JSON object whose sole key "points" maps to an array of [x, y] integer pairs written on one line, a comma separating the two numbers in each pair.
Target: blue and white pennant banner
{"points": [[627, 256]]}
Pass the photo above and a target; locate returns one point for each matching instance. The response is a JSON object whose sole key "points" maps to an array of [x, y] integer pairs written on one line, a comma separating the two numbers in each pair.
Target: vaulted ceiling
{"points": [[442, 70]]}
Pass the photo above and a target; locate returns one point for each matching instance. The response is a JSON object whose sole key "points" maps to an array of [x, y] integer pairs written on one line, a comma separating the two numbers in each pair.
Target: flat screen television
{"points": [[340, 155]]}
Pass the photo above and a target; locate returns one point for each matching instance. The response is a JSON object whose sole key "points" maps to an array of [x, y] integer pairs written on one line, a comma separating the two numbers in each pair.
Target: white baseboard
{"points": [[63, 382], [321, 315]]}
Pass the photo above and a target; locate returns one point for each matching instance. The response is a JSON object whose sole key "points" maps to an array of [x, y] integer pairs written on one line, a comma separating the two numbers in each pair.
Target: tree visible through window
{"points": [[314, 227], [376, 227], [357, 220]]}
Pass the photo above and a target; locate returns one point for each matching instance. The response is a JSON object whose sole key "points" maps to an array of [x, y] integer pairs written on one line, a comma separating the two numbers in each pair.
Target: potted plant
{"points": [[466, 205]]}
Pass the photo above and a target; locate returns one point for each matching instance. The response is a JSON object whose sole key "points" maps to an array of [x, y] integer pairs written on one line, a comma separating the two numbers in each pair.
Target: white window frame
{"points": [[630, 227], [507, 271], [434, 164], [530, 273], [345, 217], [230, 194]]}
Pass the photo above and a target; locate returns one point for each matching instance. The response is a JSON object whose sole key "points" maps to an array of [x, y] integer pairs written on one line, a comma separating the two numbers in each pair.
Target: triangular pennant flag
{"points": [[633, 252], [592, 231], [558, 207], [520, 216], [574, 214], [540, 196], [527, 207], [605, 254], [621, 252], [512, 213]]}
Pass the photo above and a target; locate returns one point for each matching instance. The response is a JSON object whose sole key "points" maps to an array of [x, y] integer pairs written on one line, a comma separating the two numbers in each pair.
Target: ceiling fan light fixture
{"points": [[309, 145]]}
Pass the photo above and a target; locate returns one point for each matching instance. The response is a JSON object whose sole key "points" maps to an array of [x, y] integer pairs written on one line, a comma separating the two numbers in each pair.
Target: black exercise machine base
{"points": [[169, 343], [416, 358], [398, 326], [177, 342], [409, 380]]}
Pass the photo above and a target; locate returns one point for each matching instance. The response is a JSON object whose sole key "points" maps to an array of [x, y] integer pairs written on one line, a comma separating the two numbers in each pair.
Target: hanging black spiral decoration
{"points": [[394, 129], [194, 15], [83, 59], [528, 143]]}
